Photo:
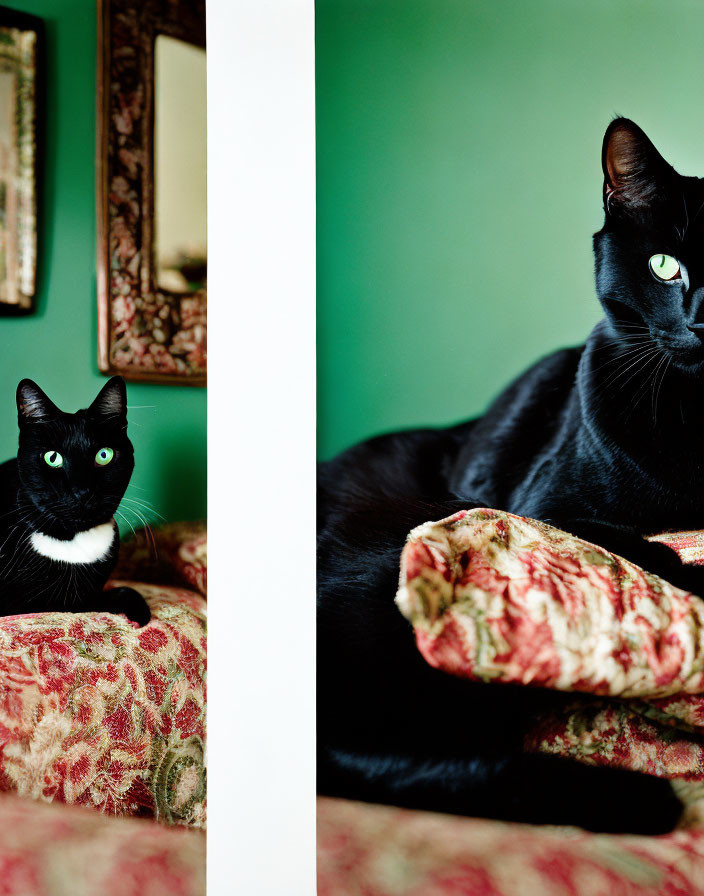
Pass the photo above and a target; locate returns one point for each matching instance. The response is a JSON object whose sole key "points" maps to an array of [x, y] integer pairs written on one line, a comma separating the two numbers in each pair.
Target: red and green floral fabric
{"points": [[496, 597], [367, 850], [98, 712], [51, 850], [500, 598]]}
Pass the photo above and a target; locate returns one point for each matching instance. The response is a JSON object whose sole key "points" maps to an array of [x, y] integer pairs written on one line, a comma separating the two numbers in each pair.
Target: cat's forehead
{"points": [[677, 222], [72, 431]]}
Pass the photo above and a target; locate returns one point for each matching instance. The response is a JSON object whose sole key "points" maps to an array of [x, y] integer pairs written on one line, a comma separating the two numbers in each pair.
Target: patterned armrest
{"points": [[98, 712]]}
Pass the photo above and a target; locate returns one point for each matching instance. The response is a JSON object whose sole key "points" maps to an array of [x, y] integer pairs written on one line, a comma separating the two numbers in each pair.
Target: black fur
{"points": [[605, 441], [62, 501]]}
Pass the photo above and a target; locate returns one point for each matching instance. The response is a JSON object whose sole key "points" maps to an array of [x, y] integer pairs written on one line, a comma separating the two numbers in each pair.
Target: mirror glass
{"points": [[8, 191], [19, 41], [179, 166]]}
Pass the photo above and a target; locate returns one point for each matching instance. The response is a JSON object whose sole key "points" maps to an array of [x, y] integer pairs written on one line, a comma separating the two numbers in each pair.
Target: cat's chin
{"points": [[69, 526]]}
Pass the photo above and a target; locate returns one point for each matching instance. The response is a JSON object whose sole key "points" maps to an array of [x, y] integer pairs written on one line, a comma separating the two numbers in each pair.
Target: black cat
{"points": [[58, 539], [605, 441]]}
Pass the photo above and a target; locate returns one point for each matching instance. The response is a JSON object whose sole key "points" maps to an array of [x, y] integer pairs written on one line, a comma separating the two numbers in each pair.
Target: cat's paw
{"points": [[128, 602]]}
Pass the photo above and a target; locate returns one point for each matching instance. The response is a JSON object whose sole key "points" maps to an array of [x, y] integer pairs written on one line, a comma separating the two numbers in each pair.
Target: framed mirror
{"points": [[21, 47], [152, 253]]}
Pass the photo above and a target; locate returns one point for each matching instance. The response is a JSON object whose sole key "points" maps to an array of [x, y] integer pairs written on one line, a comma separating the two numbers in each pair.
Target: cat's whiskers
{"points": [[147, 527], [139, 488], [628, 337], [139, 506], [21, 549], [18, 523], [662, 380], [623, 342], [123, 517], [9, 535], [641, 354], [622, 356], [644, 362], [148, 534], [640, 363], [661, 363], [142, 503], [29, 511], [26, 507], [618, 346], [145, 505], [643, 388]]}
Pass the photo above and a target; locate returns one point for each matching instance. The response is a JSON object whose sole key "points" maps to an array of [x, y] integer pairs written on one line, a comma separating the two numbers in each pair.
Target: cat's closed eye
{"points": [[665, 267]]}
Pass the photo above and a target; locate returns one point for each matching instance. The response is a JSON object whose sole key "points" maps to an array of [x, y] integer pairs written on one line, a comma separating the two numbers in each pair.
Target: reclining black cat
{"points": [[604, 441], [58, 539]]}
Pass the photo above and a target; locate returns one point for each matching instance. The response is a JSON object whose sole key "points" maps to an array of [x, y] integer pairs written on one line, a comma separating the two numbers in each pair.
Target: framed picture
{"points": [[152, 257], [21, 46]]}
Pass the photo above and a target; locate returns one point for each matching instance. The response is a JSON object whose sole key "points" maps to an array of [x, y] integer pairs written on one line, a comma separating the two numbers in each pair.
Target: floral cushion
{"points": [[69, 851], [367, 850], [497, 597], [96, 711]]}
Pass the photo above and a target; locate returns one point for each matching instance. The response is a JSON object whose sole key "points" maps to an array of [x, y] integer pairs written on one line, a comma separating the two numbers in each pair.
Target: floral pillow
{"points": [[497, 597]]}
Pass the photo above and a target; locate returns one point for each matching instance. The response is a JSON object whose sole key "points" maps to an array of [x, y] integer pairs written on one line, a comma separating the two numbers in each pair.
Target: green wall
{"points": [[459, 184], [57, 345]]}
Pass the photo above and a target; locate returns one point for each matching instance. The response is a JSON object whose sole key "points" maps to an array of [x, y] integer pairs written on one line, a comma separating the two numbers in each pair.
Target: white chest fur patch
{"points": [[85, 547]]}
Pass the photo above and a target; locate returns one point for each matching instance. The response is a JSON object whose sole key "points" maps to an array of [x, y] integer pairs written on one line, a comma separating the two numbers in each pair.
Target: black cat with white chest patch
{"points": [[58, 540]]}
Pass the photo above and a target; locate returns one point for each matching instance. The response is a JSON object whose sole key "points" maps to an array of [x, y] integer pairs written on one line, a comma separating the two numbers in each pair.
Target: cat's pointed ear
{"points": [[111, 403], [635, 174], [33, 406]]}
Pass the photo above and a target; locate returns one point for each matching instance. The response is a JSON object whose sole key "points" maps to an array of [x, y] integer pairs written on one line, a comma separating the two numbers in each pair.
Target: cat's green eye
{"points": [[104, 456], [665, 267], [54, 459]]}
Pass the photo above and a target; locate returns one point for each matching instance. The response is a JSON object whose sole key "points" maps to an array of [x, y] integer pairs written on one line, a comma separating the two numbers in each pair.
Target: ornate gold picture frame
{"points": [[21, 48], [145, 331]]}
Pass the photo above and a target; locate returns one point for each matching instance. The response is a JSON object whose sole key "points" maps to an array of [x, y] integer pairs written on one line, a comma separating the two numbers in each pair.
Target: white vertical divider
{"points": [[261, 446]]}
